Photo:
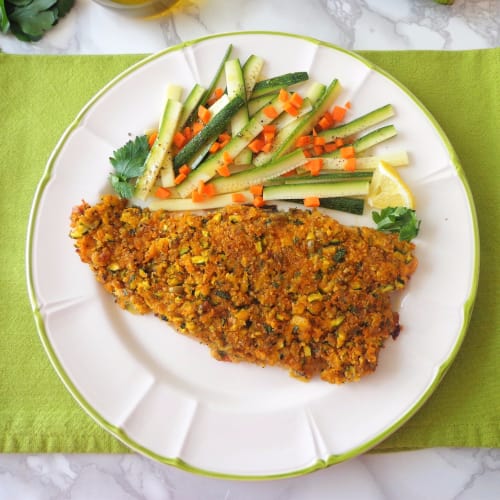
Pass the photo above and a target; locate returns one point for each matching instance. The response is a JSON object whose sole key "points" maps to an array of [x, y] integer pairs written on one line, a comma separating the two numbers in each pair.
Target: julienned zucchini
{"points": [[251, 72], [359, 124], [313, 95], [183, 204], [367, 141], [342, 204], [302, 126], [217, 76], [212, 129], [209, 167], [318, 179], [236, 88], [190, 105], [159, 157], [258, 175], [278, 82], [395, 159], [324, 190]]}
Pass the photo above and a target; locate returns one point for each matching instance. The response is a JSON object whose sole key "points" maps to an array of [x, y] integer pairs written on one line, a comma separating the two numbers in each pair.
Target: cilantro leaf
{"points": [[128, 163], [122, 187], [4, 20], [29, 20], [400, 220], [129, 159], [34, 18]]}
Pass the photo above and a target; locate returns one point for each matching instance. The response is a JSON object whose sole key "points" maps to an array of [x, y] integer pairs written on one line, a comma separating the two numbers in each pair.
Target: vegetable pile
{"points": [[252, 140], [29, 20]]}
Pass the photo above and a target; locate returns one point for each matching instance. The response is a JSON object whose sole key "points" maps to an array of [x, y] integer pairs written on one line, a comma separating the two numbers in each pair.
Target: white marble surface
{"points": [[356, 24]]}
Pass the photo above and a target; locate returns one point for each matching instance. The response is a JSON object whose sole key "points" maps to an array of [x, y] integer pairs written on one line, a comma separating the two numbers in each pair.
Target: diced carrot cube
{"points": [[188, 133], [162, 193], [350, 165], [290, 109], [339, 142], [204, 114], [197, 127], [296, 100], [329, 147], [289, 174], [319, 141], [196, 196], [258, 201], [347, 152], [318, 150], [284, 96], [179, 178], [179, 140], [267, 147], [224, 171], [271, 112], [227, 158], [224, 137], [338, 113], [185, 169], [303, 140], [215, 147], [311, 201], [256, 145], [209, 190], [238, 198], [152, 139], [257, 189]]}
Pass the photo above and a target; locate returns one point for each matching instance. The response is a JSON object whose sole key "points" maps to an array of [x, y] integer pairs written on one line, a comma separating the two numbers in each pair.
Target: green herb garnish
{"points": [[28, 20], [128, 162], [400, 220]]}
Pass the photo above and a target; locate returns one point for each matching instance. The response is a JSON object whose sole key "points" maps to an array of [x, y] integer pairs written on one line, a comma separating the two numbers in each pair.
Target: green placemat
{"points": [[40, 97]]}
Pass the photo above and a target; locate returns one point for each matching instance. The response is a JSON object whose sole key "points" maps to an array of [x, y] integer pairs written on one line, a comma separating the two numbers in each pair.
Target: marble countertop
{"points": [[357, 24]]}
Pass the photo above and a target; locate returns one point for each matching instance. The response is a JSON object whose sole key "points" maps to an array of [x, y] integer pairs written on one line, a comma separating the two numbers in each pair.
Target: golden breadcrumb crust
{"points": [[294, 288]]}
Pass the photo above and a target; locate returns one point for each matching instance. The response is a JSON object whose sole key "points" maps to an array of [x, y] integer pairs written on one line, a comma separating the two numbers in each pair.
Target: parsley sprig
{"points": [[128, 162], [29, 20], [400, 220]]}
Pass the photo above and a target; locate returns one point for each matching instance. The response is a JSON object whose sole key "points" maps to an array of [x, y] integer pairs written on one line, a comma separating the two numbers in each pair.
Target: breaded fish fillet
{"points": [[295, 288]]}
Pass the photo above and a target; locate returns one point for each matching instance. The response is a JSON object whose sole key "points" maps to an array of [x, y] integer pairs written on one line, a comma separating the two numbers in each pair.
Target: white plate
{"points": [[163, 394]]}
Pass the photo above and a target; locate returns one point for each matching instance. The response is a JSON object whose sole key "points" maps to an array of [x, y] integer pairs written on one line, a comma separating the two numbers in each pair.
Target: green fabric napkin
{"points": [[40, 97]]}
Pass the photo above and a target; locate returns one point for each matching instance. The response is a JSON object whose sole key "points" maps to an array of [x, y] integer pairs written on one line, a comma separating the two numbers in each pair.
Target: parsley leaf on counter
{"points": [[128, 162], [28, 20], [400, 220]]}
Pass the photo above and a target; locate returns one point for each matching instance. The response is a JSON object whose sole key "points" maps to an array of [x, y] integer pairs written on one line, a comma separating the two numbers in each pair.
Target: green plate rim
{"points": [[177, 462]]}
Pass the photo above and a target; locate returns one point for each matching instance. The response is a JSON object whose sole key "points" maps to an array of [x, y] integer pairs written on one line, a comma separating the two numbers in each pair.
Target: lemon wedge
{"points": [[387, 189]]}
